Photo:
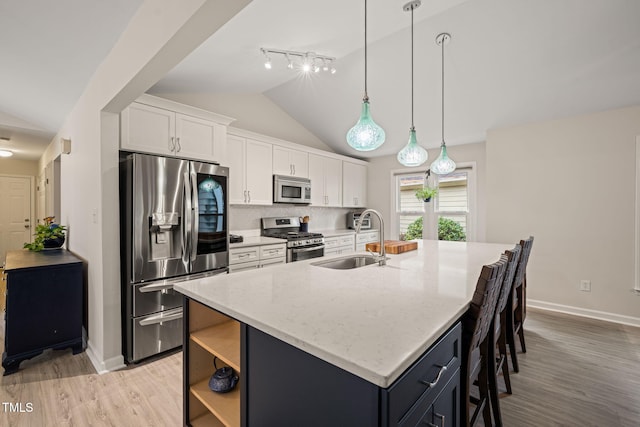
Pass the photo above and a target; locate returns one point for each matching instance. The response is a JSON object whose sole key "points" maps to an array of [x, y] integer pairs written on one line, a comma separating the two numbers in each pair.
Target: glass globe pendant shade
{"points": [[365, 135], [412, 154], [443, 164]]}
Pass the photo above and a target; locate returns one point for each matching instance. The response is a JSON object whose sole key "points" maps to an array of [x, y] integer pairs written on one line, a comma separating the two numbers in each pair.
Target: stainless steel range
{"points": [[300, 245]]}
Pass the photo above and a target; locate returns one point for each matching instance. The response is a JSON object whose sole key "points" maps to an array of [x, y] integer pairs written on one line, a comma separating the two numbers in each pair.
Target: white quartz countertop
{"points": [[256, 241], [371, 321]]}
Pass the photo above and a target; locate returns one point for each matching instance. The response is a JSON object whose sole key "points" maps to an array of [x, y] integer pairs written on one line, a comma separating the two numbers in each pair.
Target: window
{"points": [[451, 209], [453, 198], [408, 207]]}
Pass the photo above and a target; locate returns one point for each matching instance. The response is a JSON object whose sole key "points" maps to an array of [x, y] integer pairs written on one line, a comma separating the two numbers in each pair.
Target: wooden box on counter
{"points": [[393, 246], [44, 305]]}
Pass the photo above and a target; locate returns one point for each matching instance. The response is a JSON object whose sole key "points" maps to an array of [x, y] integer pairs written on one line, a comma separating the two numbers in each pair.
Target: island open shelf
{"points": [[210, 335]]}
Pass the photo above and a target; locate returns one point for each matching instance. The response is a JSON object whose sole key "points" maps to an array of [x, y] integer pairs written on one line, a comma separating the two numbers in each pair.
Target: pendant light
{"points": [[412, 154], [366, 135], [443, 164]]}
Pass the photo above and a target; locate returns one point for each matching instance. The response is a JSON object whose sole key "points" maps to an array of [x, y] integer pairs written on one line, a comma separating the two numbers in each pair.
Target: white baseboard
{"points": [[584, 312], [104, 366]]}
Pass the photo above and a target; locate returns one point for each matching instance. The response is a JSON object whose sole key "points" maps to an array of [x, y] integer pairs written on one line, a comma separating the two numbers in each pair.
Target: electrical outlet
{"points": [[585, 285]]}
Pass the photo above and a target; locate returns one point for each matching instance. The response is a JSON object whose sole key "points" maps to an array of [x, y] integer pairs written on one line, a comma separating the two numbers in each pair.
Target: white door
{"points": [[15, 213]]}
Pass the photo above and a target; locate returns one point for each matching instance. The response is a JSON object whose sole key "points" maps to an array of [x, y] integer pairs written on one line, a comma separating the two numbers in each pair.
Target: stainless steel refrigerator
{"points": [[173, 221]]}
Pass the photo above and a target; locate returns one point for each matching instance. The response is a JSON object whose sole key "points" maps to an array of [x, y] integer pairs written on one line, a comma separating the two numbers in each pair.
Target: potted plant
{"points": [[48, 235], [426, 193]]}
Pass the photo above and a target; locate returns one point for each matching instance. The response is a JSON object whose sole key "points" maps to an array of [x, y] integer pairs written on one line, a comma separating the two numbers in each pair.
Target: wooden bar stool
{"points": [[499, 333], [478, 354], [518, 303]]}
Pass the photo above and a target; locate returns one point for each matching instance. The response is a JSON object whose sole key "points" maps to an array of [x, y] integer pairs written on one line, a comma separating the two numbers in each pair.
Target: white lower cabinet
{"points": [[365, 237], [250, 257], [339, 245]]}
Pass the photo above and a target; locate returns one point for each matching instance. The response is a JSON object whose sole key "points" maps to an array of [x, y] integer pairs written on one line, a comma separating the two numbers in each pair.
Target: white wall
{"points": [[160, 35], [10, 166], [380, 185], [571, 184], [254, 112]]}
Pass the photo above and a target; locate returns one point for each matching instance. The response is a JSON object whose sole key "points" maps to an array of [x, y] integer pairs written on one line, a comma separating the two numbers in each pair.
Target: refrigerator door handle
{"points": [[186, 229], [166, 316], [196, 225]]}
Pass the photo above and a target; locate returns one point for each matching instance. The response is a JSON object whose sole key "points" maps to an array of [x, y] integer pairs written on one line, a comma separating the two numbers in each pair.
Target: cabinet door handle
{"points": [[294, 169], [433, 384], [249, 196], [179, 146], [172, 145], [245, 196]]}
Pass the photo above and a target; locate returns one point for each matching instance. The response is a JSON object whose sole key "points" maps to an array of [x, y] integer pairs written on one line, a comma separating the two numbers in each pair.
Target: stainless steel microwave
{"points": [[291, 189]]}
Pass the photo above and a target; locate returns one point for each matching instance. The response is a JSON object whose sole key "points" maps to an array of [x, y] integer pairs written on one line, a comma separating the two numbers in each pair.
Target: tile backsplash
{"points": [[248, 217]]}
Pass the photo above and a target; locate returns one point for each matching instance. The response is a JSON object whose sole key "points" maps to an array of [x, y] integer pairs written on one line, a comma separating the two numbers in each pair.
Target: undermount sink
{"points": [[347, 263]]}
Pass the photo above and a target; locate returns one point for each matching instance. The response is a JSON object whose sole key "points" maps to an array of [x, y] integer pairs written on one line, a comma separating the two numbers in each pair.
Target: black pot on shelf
{"points": [[53, 243], [223, 380]]}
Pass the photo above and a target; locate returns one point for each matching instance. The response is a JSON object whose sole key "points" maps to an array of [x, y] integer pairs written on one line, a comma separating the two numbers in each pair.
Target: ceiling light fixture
{"points": [[366, 135], [412, 154], [6, 153], [305, 61], [443, 164]]}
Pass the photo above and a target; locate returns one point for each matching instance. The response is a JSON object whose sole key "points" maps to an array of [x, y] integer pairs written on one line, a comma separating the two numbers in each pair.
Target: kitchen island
{"points": [[367, 325]]}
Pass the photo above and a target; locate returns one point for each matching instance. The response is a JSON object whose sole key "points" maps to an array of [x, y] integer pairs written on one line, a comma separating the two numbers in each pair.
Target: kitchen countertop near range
{"points": [[371, 321]]}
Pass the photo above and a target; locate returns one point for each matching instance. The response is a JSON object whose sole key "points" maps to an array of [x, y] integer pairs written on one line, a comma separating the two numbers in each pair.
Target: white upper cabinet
{"points": [[290, 162], [250, 171], [167, 128], [354, 185], [325, 174]]}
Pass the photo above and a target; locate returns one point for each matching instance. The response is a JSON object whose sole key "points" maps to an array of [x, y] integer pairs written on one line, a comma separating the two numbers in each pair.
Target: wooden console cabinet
{"points": [[44, 305]]}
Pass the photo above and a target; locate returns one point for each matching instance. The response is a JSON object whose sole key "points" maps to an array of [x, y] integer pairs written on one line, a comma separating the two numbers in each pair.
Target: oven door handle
{"points": [[308, 249], [167, 316]]}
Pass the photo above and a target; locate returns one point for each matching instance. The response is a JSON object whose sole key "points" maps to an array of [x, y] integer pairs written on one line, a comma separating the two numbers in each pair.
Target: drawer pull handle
{"points": [[433, 384]]}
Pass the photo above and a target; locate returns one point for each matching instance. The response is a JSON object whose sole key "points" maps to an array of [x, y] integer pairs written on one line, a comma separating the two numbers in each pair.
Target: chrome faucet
{"points": [[381, 257]]}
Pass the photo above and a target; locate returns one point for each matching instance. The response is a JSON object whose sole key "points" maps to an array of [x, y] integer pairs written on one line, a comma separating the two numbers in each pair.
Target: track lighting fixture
{"points": [[304, 61]]}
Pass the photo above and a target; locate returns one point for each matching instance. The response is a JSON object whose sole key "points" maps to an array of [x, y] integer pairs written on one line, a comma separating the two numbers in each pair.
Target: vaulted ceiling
{"points": [[509, 62]]}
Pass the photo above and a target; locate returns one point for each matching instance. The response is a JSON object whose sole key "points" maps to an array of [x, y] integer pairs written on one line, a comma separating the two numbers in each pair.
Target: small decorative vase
{"points": [[427, 200]]}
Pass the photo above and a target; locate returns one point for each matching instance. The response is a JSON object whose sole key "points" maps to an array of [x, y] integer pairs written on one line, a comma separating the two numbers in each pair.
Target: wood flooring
{"points": [[576, 372]]}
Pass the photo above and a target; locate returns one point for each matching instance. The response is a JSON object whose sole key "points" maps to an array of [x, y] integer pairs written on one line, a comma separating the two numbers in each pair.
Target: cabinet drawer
{"points": [[272, 261], [409, 388], [239, 255], [366, 237], [346, 241], [441, 411], [273, 251], [234, 268]]}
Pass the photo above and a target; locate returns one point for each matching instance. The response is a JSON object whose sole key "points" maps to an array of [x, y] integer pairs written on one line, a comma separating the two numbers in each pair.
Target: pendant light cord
{"points": [[366, 96], [442, 43], [412, 125]]}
